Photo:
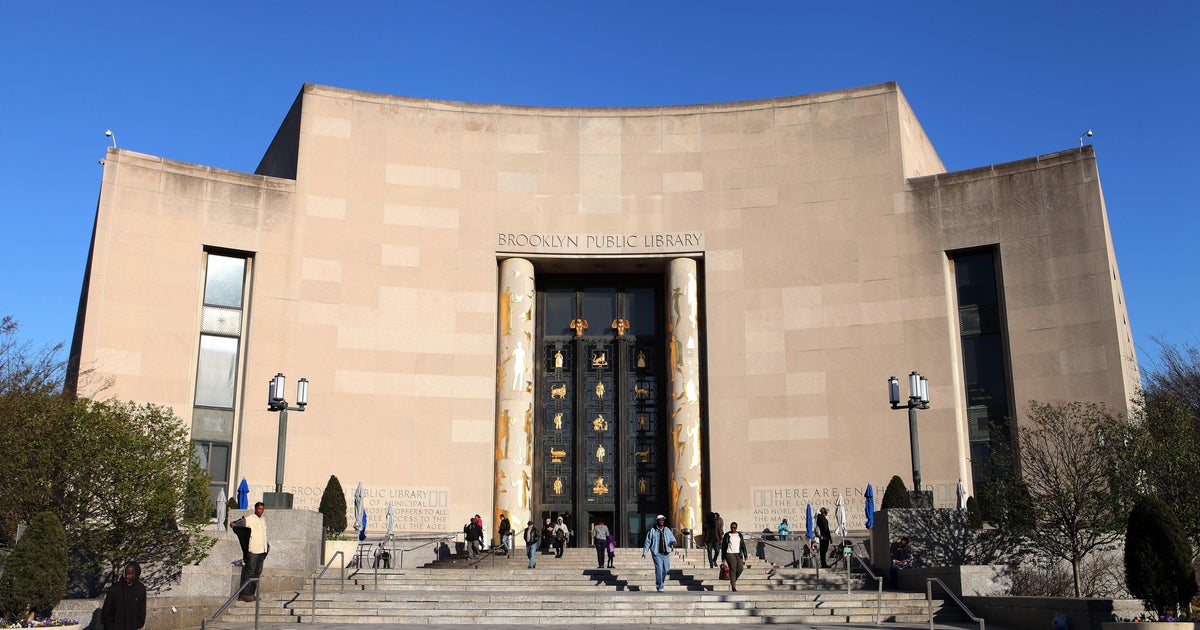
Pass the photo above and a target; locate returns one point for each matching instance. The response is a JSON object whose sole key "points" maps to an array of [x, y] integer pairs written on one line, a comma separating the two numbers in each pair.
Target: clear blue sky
{"points": [[209, 83]]}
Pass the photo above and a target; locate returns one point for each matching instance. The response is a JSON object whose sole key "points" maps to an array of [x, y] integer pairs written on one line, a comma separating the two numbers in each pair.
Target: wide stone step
{"points": [[437, 607]]}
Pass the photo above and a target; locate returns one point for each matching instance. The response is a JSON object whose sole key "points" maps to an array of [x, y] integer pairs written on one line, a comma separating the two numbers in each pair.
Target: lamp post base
{"points": [[277, 500], [920, 498]]}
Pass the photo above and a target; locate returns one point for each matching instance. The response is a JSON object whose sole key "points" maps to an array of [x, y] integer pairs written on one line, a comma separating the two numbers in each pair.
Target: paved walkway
{"points": [[781, 626]]}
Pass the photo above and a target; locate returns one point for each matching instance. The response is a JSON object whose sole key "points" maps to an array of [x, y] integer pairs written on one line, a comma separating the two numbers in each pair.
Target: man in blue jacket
{"points": [[660, 542]]}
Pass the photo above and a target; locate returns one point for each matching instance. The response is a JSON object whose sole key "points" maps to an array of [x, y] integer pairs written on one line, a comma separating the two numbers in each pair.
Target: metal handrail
{"points": [[929, 599], [341, 581], [445, 537], [256, 580], [878, 582]]}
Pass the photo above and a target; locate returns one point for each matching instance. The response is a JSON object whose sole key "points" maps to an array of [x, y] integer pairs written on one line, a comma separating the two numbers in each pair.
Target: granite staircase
{"points": [[494, 589]]}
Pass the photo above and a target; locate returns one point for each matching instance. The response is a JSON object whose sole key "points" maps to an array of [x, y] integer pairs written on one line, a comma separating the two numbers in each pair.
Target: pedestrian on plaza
{"points": [[532, 537], [473, 533], [125, 603], [714, 533], [612, 549], [784, 530], [600, 540], [561, 534], [823, 534], [733, 546], [660, 542], [505, 531], [254, 550]]}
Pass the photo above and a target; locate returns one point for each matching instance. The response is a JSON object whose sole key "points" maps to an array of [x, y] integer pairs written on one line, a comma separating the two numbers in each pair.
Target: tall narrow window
{"points": [[214, 406], [984, 355]]}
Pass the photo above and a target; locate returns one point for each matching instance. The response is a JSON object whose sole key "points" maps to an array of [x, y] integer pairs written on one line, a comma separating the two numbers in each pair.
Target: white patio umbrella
{"points": [[839, 512], [221, 501], [961, 491], [358, 507], [390, 518]]}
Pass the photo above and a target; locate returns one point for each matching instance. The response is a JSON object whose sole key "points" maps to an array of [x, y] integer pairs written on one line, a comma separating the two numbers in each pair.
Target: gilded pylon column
{"points": [[683, 355], [515, 355]]}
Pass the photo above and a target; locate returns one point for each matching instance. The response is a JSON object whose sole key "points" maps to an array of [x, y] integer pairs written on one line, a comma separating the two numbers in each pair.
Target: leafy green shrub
{"points": [[35, 573], [896, 495], [1158, 558], [333, 507], [974, 516]]}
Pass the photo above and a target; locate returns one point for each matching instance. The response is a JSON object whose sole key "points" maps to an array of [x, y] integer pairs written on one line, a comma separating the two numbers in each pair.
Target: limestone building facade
{"points": [[604, 313]]}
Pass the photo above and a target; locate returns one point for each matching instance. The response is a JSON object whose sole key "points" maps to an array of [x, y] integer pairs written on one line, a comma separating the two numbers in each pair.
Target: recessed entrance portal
{"points": [[601, 432]]}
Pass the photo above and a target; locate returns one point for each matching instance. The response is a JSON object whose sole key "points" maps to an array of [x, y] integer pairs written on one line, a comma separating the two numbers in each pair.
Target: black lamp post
{"points": [[918, 398], [277, 401]]}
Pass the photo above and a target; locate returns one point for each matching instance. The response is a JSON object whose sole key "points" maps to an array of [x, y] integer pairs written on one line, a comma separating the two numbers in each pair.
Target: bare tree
{"points": [[1057, 489]]}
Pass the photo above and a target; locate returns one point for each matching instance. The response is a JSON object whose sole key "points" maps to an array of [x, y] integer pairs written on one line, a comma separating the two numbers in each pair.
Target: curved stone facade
{"points": [[814, 237]]}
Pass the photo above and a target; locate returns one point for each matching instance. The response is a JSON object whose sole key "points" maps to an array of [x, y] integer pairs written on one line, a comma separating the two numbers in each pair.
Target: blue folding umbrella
{"points": [[243, 495], [808, 522], [870, 496], [362, 532]]}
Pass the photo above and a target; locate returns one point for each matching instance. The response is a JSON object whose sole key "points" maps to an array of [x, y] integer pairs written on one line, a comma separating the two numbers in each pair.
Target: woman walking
{"points": [[734, 548]]}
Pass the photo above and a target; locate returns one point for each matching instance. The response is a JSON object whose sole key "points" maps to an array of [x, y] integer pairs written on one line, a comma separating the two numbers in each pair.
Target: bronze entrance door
{"points": [[601, 447]]}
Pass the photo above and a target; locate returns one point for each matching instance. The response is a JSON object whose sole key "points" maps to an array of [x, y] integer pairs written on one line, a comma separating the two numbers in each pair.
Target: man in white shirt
{"points": [[255, 552]]}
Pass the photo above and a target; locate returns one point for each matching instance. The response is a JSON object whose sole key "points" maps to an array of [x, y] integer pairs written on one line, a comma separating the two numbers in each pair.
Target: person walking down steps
{"points": [[660, 542], [734, 548]]}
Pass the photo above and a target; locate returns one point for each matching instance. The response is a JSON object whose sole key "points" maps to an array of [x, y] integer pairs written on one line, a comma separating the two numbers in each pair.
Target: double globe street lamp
{"points": [[918, 398], [277, 401]]}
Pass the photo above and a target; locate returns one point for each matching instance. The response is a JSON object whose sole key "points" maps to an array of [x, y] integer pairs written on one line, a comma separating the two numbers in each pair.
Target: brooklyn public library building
{"points": [[611, 313]]}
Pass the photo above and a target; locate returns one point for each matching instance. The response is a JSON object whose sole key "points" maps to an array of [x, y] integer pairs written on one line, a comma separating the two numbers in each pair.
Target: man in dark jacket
{"points": [[532, 537], [474, 535], [125, 604], [823, 533], [505, 531]]}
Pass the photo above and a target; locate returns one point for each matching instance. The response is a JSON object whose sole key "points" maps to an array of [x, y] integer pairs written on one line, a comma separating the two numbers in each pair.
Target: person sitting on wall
{"points": [[383, 556], [902, 558]]}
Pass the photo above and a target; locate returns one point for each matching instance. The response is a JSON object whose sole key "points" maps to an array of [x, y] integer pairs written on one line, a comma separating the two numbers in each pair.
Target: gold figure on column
{"points": [[558, 359], [558, 421], [502, 439], [579, 325], [687, 516], [527, 455], [558, 486], [506, 302], [642, 421], [599, 488], [641, 359], [600, 390], [599, 424], [620, 325], [641, 485], [644, 455], [600, 452]]}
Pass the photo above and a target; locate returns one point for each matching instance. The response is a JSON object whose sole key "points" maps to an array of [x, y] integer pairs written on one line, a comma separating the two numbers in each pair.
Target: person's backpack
{"points": [[560, 534]]}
